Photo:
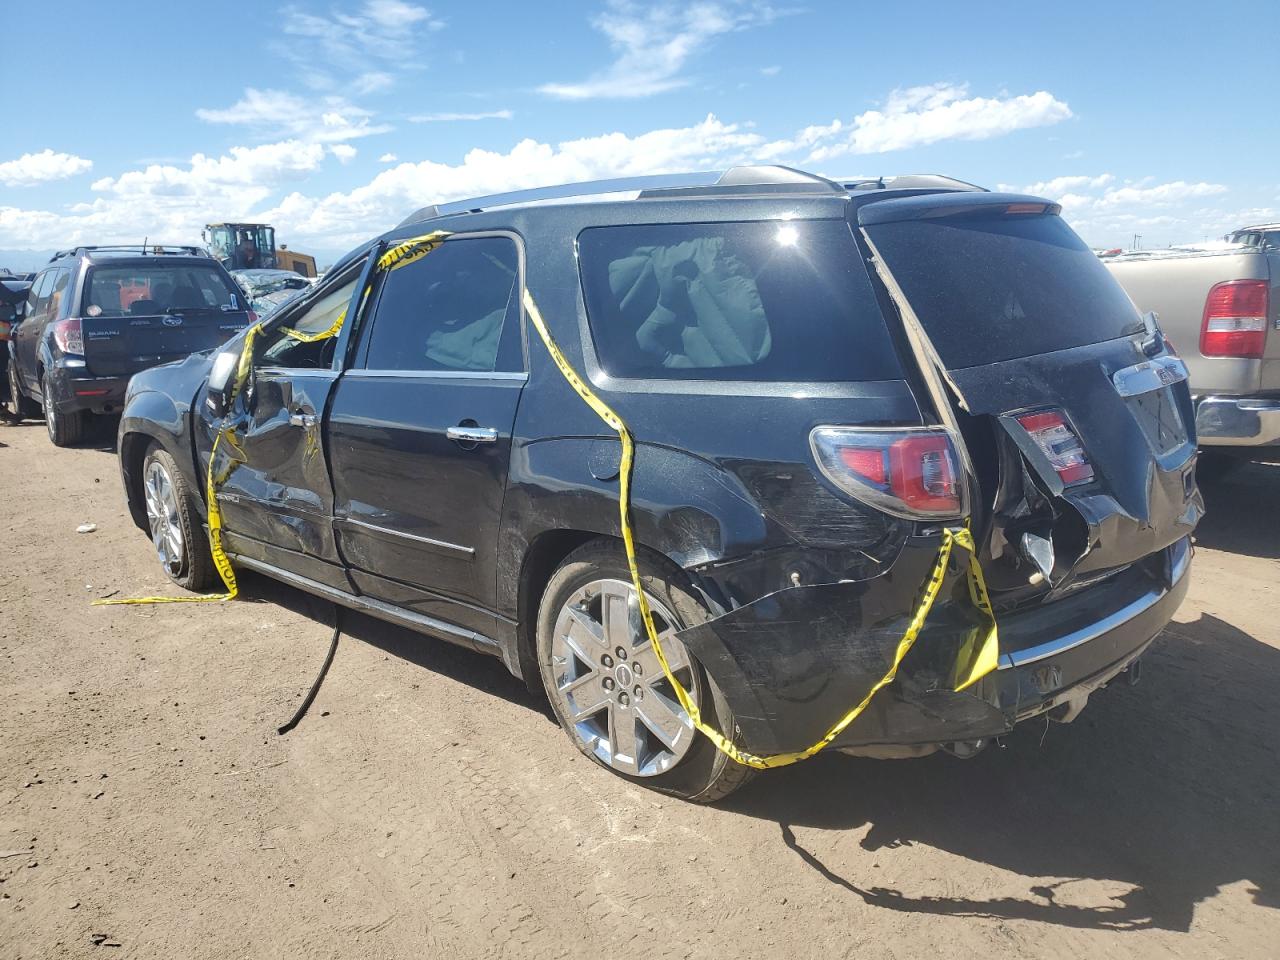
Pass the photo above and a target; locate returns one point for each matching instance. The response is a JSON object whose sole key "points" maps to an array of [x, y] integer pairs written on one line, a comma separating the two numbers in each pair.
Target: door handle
{"points": [[300, 419], [472, 434]]}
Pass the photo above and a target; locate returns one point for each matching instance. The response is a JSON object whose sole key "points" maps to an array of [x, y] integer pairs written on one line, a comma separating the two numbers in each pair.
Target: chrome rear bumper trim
{"points": [[1135, 608]]}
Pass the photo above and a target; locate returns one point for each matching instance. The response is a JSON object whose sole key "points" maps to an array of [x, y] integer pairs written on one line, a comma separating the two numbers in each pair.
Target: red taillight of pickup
{"points": [[911, 472], [1235, 320], [68, 336]]}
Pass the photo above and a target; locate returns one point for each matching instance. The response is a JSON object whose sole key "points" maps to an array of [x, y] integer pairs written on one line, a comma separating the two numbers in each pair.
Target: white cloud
{"points": [[275, 113], [388, 158], [345, 152], [1160, 194], [447, 117], [1108, 211], [653, 43], [379, 31], [343, 219], [32, 168], [372, 82], [770, 71], [918, 116]]}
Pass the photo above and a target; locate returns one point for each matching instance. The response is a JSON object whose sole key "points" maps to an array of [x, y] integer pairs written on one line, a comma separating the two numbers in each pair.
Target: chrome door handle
{"points": [[472, 434], [300, 419]]}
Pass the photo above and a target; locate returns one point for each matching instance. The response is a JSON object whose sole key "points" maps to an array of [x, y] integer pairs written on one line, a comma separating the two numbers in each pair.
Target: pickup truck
{"points": [[1219, 307]]}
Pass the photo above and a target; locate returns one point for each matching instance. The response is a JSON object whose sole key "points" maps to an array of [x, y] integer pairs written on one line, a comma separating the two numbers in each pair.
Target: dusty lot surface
{"points": [[428, 806]]}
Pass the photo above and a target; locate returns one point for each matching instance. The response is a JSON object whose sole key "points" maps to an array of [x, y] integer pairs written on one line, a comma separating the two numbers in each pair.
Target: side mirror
{"points": [[218, 392]]}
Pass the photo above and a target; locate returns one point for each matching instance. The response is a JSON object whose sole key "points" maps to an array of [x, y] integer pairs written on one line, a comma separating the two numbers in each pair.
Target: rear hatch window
{"points": [[994, 286], [160, 288], [135, 315], [757, 301]]}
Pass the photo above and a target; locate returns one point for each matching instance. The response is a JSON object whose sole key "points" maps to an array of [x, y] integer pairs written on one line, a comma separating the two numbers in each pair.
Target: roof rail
{"points": [[141, 250], [746, 180]]}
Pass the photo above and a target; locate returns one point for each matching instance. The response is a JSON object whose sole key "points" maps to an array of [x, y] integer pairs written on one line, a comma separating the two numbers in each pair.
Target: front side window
{"points": [[761, 301], [452, 310], [277, 348]]}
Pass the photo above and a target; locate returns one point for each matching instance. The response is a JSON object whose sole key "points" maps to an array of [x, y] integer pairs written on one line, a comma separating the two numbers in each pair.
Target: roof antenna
{"points": [[144, 246]]}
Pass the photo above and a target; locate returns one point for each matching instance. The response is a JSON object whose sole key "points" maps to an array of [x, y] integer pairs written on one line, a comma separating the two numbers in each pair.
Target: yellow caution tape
{"points": [[981, 653]]}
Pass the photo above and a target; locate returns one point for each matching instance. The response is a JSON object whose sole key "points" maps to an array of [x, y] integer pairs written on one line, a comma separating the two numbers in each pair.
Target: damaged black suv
{"points": [[822, 378]]}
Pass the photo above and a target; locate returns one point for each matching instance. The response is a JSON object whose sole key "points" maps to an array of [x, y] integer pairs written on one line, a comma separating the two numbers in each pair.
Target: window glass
{"points": [[763, 301], [448, 311], [152, 288], [36, 294], [994, 287], [278, 349], [58, 291]]}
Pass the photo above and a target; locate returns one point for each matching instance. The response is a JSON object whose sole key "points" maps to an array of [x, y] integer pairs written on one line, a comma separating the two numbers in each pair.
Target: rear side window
{"points": [[113, 291], [997, 287], [762, 301], [453, 309]]}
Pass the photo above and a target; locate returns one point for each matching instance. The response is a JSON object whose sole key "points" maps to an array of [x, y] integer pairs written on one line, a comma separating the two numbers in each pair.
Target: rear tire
{"points": [[65, 429], [176, 529], [577, 672], [19, 406]]}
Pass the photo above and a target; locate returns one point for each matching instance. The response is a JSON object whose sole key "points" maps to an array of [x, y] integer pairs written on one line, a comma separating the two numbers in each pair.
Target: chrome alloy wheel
{"points": [[162, 516], [609, 685]]}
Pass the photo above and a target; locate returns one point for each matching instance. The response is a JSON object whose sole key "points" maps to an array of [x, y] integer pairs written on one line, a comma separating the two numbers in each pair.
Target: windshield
{"points": [[152, 288], [997, 287]]}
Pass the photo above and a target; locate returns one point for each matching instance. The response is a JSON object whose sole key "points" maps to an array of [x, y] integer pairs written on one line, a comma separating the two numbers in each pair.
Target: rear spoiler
{"points": [[932, 206]]}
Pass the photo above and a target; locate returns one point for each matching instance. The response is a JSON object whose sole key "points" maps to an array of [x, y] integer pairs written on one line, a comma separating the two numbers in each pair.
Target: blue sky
{"points": [[333, 121]]}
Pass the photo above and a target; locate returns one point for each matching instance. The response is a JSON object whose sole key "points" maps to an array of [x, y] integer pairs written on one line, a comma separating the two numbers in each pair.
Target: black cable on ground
{"points": [[324, 669]]}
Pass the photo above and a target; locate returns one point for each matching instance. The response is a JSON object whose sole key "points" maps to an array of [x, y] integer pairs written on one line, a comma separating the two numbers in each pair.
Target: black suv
{"points": [[826, 381], [97, 315]]}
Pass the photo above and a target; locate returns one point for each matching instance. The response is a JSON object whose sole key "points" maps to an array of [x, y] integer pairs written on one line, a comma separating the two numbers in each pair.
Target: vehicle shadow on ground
{"points": [[1239, 514], [484, 673], [1170, 787]]}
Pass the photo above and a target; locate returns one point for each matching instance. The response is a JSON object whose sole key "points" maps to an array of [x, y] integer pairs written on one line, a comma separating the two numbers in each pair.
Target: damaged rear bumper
{"points": [[792, 663]]}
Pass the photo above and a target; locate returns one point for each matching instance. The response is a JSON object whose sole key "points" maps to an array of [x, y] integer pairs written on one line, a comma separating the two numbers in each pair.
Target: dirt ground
{"points": [[428, 806]]}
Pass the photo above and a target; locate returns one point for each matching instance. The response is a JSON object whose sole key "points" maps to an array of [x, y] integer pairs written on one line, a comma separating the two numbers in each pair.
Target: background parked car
{"points": [[799, 454], [1219, 305], [97, 315], [13, 298], [267, 290]]}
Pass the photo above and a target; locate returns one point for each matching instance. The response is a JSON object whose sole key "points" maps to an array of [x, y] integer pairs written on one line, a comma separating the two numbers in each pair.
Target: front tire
{"points": [[176, 531], [65, 429], [607, 688]]}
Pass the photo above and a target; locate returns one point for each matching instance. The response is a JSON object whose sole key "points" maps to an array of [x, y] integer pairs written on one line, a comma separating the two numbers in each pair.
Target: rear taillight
{"points": [[68, 336], [1056, 439], [1235, 320], [253, 318], [911, 472]]}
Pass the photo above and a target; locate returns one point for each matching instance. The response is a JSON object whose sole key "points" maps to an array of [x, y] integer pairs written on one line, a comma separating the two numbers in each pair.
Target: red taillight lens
{"points": [[68, 336], [910, 472], [253, 318], [1059, 443], [1235, 320]]}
